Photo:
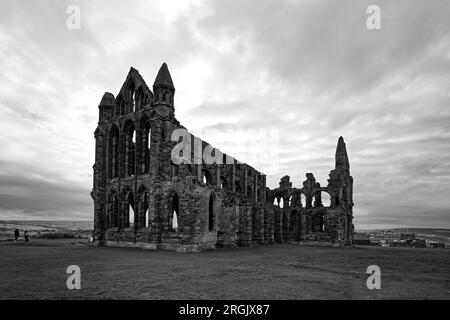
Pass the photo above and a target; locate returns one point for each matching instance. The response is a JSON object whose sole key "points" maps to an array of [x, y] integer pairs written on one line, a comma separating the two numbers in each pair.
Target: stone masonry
{"points": [[143, 199]]}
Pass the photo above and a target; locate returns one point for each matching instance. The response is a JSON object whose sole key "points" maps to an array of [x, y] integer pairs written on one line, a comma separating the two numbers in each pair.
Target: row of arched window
{"points": [[122, 213], [206, 178], [320, 199], [129, 153], [131, 100]]}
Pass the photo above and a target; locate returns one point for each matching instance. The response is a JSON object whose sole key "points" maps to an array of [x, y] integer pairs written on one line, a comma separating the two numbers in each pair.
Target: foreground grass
{"points": [[38, 271]]}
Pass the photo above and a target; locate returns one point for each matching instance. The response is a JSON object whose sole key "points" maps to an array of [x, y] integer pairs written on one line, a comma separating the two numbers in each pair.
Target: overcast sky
{"points": [[250, 76]]}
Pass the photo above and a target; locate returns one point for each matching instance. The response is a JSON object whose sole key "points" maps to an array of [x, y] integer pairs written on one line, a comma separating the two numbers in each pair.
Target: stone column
{"points": [[233, 177], [255, 188], [245, 182], [217, 175], [99, 188]]}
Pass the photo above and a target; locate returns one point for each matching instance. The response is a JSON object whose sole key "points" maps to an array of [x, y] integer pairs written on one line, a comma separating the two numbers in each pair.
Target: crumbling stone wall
{"points": [[139, 193]]}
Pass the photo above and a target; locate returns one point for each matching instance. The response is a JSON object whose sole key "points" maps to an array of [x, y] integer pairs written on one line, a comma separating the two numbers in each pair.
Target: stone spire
{"points": [[107, 100], [341, 155], [163, 78], [106, 106], [163, 87]]}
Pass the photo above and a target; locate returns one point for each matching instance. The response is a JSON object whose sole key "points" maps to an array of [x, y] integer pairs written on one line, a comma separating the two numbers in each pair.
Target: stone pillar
{"points": [[99, 189], [255, 188], [263, 189], [233, 177], [217, 175], [245, 181]]}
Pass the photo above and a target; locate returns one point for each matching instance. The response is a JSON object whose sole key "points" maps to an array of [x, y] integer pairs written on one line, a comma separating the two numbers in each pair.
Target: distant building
{"points": [[418, 243], [408, 236], [434, 244]]}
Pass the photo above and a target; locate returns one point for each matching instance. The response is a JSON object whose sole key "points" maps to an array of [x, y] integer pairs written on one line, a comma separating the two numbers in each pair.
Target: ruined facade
{"points": [[142, 198]]}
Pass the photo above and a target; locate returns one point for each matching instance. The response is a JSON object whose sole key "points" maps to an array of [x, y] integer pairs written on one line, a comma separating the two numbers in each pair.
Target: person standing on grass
{"points": [[16, 234], [25, 235]]}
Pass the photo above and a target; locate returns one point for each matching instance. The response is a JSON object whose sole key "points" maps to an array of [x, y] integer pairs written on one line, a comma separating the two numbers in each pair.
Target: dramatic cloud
{"points": [[274, 83]]}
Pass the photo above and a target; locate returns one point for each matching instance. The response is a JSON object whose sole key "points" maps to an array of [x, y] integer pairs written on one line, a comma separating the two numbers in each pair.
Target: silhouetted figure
{"points": [[16, 234], [25, 235]]}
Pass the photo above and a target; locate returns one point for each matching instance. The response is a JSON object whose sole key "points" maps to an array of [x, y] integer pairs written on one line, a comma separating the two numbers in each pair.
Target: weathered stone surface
{"points": [[139, 193]]}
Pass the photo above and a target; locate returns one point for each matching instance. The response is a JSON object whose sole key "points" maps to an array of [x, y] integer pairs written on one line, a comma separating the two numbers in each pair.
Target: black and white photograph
{"points": [[222, 155]]}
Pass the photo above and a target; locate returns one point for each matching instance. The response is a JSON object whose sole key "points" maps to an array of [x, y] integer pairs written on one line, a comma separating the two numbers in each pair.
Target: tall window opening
{"points": [[303, 200], [144, 207], [206, 177], [146, 142], [175, 212], [113, 162], [237, 187], [211, 213], [129, 214], [223, 183], [130, 149]]}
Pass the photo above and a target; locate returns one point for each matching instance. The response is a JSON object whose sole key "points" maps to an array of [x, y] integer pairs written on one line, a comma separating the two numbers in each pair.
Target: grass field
{"points": [[38, 271]]}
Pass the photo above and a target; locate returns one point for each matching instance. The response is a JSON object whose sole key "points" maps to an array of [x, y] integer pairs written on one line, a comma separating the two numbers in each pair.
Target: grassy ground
{"points": [[38, 271]]}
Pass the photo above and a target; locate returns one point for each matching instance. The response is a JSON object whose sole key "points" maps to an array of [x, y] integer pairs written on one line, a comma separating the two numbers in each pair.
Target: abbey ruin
{"points": [[143, 199]]}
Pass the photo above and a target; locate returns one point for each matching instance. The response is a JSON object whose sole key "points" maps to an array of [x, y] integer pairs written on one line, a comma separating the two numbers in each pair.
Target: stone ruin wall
{"points": [[218, 205]]}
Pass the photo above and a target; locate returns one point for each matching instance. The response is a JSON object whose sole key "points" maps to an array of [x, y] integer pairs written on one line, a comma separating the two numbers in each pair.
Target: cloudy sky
{"points": [[252, 76]]}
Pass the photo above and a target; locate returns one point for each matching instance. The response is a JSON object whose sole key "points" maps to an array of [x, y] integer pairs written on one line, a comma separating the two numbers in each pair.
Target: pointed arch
{"points": [[206, 176], [322, 198], [120, 104], [129, 132], [174, 213], [143, 208], [128, 214], [131, 93], [302, 200], [223, 183]]}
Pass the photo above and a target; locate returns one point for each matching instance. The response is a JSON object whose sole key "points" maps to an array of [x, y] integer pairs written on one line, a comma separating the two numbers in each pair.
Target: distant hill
{"points": [[42, 227], [441, 235], [57, 224]]}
